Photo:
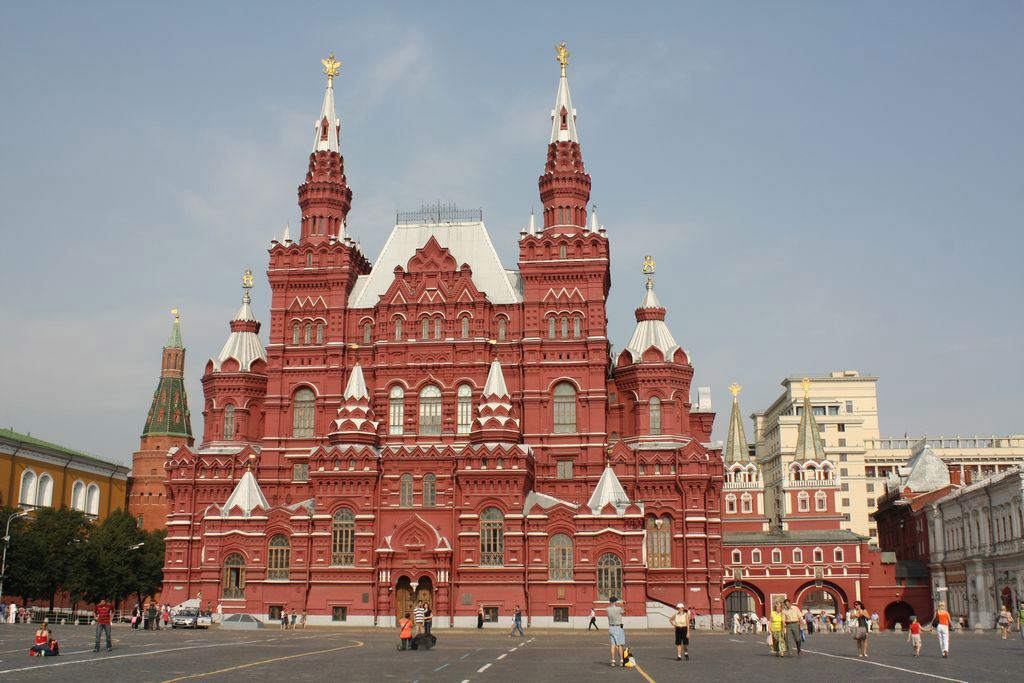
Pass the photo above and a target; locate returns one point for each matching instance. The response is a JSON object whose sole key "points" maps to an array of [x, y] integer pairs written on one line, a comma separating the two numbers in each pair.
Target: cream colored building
{"points": [[845, 406]]}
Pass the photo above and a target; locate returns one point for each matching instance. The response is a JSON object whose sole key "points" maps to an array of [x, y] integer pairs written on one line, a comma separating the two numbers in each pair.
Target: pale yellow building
{"points": [[845, 406]]}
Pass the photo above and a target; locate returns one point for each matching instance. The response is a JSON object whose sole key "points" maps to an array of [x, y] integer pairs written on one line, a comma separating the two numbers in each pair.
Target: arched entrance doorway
{"points": [[425, 591], [898, 612], [819, 600], [407, 595], [1007, 598]]}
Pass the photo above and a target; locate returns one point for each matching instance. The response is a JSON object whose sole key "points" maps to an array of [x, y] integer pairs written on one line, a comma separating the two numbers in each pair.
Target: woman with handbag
{"points": [[941, 623], [859, 618]]}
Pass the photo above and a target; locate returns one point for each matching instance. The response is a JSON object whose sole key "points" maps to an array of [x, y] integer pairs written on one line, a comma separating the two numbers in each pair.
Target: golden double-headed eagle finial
{"points": [[331, 67], [648, 267], [174, 312], [806, 382], [562, 55], [247, 279], [735, 389]]}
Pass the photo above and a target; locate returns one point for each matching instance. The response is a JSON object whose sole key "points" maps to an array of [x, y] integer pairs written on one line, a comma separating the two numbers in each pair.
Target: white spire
{"points": [[533, 223], [247, 495], [328, 125], [650, 298], [593, 219], [608, 490], [243, 344], [286, 238], [356, 387], [563, 129], [495, 385]]}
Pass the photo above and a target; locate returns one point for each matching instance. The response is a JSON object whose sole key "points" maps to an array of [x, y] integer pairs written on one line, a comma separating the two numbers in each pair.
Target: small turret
{"points": [[495, 421], [356, 422]]}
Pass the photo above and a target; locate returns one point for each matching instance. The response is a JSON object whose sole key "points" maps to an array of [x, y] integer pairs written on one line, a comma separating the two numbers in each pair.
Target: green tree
{"points": [[23, 577], [42, 555]]}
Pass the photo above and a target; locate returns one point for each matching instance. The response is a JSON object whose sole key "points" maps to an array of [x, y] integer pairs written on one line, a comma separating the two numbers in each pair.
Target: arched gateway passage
{"points": [[898, 612], [407, 595]]}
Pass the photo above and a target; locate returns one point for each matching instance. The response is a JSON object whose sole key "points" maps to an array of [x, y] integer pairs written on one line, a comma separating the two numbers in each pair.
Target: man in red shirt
{"points": [[103, 614]]}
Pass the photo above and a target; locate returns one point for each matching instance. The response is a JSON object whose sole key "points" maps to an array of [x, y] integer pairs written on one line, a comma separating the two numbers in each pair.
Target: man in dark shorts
{"points": [[681, 621]]}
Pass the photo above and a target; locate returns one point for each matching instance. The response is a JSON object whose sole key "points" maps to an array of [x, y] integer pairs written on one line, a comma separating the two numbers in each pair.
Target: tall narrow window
{"points": [[398, 329], [492, 538], [429, 490], [396, 410], [746, 503], [465, 409], [798, 556], [655, 408], [28, 488], [78, 496], [438, 322], [577, 326], [821, 502], [367, 333], [319, 333], [551, 327], [278, 560], [44, 494], [564, 320], [92, 500], [229, 421], [233, 587], [609, 577], [560, 558], [307, 337], [425, 328], [464, 324], [303, 413], [309, 259], [405, 491], [295, 333], [502, 329], [430, 410], [659, 541], [565, 408], [343, 538], [561, 249], [803, 502]]}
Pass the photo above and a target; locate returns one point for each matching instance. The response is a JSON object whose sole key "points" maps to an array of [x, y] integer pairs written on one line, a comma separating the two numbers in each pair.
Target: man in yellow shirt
{"points": [[791, 617]]}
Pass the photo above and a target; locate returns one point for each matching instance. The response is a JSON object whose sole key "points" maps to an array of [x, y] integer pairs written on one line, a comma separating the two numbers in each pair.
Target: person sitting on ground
{"points": [[44, 647], [406, 633]]}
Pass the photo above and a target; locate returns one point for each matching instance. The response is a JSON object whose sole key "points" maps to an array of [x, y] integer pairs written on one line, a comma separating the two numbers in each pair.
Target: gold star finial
{"points": [[806, 382], [331, 67], [735, 389], [562, 55]]}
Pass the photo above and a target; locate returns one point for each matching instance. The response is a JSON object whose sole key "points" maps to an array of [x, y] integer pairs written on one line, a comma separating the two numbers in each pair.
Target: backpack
{"points": [[628, 660]]}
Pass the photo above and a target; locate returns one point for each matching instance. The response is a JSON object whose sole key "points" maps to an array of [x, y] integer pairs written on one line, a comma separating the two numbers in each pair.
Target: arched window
{"points": [[659, 541], [429, 490], [492, 538], [730, 504], [819, 556], [229, 421], [609, 577], [78, 496], [278, 557], [396, 410], [398, 329], [234, 577], [307, 337], [820, 501], [798, 556], [437, 327], [746, 503], [464, 326], [295, 333], [319, 333], [560, 558], [502, 329], [803, 501], [92, 500], [737, 557], [776, 556], [561, 249], [430, 410], [551, 327], [28, 488], [837, 554], [343, 538], [564, 323], [654, 406], [303, 413], [465, 409], [309, 259], [425, 328], [367, 333], [44, 494], [577, 326], [405, 491], [565, 408], [755, 556]]}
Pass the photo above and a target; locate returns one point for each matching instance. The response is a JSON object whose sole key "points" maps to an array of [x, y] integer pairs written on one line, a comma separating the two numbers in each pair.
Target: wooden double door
{"points": [[408, 596]]}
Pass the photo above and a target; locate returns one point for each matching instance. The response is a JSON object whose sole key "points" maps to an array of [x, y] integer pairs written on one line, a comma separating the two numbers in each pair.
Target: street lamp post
{"points": [[7, 542]]}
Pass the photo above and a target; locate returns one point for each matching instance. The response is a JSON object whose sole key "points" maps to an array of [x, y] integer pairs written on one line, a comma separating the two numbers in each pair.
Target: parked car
{"points": [[190, 618]]}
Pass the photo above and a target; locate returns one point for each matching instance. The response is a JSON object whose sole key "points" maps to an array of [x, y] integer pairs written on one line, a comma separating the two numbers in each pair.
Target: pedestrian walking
{"points": [[220, 612], [793, 618], [517, 622], [764, 624], [914, 637], [1004, 621], [284, 619], [1020, 619], [681, 621], [860, 618], [593, 620], [418, 617], [428, 618], [12, 612], [616, 634], [294, 618], [302, 621], [103, 613], [809, 621], [151, 613], [777, 636], [166, 616], [480, 617], [405, 634], [941, 622]]}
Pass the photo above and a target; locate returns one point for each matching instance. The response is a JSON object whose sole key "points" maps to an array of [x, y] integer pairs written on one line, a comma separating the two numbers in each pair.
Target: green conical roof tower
{"points": [[169, 415]]}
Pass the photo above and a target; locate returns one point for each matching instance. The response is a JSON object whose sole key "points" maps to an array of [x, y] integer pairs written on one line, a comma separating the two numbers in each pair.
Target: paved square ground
{"points": [[370, 655]]}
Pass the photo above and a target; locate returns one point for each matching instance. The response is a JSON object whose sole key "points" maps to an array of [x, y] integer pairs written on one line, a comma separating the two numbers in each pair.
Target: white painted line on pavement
{"points": [[887, 666], [464, 656], [484, 668], [465, 680], [514, 649], [441, 667], [502, 656], [733, 640]]}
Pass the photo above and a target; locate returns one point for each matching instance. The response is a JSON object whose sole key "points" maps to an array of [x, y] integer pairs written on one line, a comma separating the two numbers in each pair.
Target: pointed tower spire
{"points": [[651, 330], [533, 223], [736, 449], [247, 495], [356, 422], [169, 414], [356, 386], [495, 420], [243, 344], [608, 490], [808, 440], [594, 227], [565, 185], [286, 238], [325, 197]]}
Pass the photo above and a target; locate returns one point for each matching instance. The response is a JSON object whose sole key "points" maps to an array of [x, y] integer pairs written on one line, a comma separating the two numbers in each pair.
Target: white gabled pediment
{"points": [[563, 294], [398, 299]]}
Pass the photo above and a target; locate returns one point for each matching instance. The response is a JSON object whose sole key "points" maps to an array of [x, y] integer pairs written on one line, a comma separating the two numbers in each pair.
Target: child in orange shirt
{"points": [[914, 638], [406, 634]]}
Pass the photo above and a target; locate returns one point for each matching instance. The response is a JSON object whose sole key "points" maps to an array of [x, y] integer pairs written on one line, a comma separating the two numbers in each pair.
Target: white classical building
{"points": [[976, 536]]}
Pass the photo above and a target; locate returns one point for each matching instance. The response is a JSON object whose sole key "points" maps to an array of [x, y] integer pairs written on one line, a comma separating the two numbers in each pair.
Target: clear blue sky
{"points": [[825, 185]]}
